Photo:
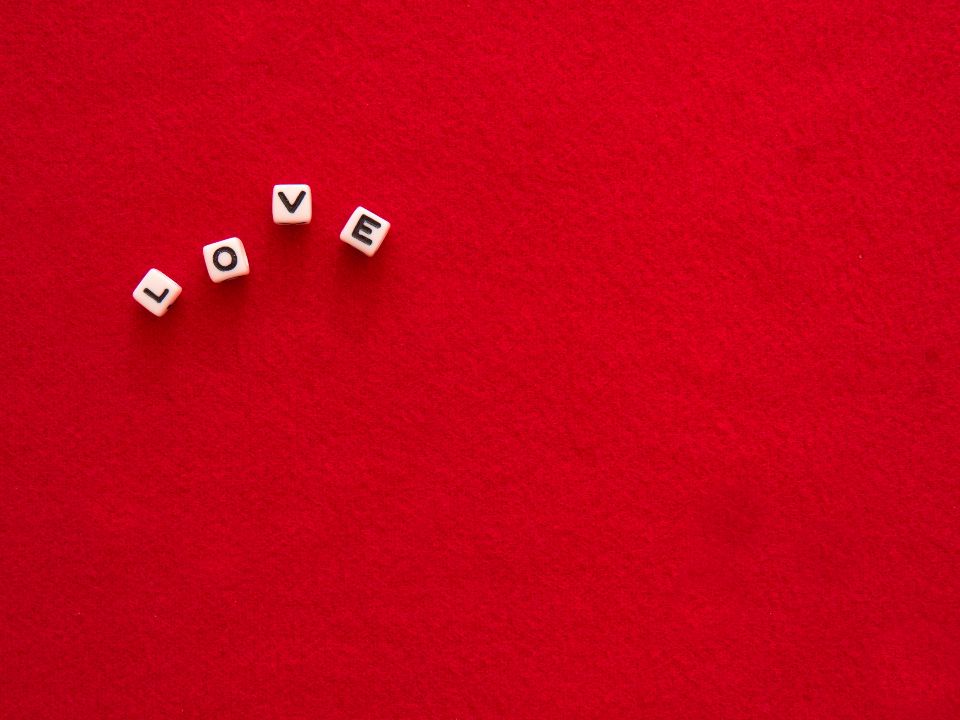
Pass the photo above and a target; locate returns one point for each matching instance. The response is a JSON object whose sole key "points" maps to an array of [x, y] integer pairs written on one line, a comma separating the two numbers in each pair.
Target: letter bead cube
{"points": [[292, 204], [156, 292], [365, 231], [226, 259]]}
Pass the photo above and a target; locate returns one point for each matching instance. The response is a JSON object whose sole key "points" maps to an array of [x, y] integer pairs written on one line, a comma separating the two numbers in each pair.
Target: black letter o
{"points": [[216, 258]]}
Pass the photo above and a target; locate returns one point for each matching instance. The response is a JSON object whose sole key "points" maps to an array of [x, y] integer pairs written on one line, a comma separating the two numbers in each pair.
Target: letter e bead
{"points": [[365, 231]]}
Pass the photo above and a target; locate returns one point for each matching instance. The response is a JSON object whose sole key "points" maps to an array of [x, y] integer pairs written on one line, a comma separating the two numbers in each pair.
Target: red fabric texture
{"points": [[647, 406]]}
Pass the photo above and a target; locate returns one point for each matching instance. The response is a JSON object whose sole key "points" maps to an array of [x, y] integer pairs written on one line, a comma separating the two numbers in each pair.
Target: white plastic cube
{"points": [[292, 204], [156, 292], [226, 259], [365, 231]]}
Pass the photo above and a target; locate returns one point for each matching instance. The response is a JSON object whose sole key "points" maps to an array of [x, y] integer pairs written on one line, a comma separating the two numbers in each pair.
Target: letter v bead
{"points": [[298, 212]]}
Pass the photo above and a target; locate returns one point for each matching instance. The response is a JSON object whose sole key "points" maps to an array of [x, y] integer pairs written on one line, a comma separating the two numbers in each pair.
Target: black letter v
{"points": [[296, 203]]}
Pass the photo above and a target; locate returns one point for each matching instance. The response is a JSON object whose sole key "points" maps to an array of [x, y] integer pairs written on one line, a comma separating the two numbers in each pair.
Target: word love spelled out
{"points": [[292, 205]]}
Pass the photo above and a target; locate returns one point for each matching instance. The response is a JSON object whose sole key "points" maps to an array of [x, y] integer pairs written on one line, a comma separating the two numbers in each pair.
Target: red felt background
{"points": [[647, 406]]}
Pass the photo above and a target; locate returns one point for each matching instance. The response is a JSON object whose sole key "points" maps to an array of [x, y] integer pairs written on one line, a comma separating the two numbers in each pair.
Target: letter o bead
{"points": [[226, 259]]}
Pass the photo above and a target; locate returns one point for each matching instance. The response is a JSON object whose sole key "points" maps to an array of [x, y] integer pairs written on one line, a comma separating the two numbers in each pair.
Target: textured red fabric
{"points": [[647, 406]]}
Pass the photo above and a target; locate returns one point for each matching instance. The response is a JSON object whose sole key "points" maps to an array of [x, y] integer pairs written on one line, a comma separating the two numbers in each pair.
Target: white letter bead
{"points": [[292, 204], [365, 231], [226, 259], [156, 292]]}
